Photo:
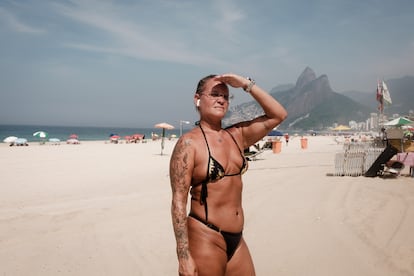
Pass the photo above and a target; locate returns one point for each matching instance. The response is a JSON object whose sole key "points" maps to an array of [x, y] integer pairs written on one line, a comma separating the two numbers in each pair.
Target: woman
{"points": [[208, 162]]}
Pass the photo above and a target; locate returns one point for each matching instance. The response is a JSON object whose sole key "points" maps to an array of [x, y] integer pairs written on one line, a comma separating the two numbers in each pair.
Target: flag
{"points": [[386, 93], [380, 97]]}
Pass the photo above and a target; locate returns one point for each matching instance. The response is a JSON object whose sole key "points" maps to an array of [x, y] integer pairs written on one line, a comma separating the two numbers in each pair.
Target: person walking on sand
{"points": [[287, 138], [208, 162]]}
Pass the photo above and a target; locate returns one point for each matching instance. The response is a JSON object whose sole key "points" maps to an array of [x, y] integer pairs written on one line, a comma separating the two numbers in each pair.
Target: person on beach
{"points": [[287, 138], [208, 162]]}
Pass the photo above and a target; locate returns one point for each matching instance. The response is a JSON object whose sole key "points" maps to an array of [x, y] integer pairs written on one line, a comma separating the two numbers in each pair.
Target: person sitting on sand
{"points": [[208, 162]]}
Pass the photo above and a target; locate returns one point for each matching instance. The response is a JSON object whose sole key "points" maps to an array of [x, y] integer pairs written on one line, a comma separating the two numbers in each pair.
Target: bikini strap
{"points": [[235, 142], [204, 192], [241, 153], [205, 138], [203, 198]]}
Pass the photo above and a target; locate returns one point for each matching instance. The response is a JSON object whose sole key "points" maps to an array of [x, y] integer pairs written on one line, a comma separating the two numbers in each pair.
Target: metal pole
{"points": [[181, 126]]}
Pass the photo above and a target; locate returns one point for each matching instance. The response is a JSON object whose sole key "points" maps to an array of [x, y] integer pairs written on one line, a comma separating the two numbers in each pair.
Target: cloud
{"points": [[16, 25], [130, 38], [229, 15]]}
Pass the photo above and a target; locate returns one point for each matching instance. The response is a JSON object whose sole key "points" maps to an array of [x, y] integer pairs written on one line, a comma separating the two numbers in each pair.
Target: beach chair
{"points": [[252, 155], [407, 158], [392, 168], [379, 165], [356, 159]]}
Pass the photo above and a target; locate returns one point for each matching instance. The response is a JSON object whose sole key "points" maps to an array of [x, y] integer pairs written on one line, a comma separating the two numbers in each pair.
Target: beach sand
{"points": [[104, 209]]}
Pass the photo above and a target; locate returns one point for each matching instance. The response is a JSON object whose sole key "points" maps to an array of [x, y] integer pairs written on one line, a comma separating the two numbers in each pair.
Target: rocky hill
{"points": [[311, 104]]}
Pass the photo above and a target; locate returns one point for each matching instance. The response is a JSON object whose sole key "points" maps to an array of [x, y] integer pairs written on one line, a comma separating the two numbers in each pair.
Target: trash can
{"points": [[277, 146], [304, 143]]}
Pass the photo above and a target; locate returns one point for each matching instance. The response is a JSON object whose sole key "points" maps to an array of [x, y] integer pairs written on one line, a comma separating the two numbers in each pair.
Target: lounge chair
{"points": [[252, 155], [392, 168]]}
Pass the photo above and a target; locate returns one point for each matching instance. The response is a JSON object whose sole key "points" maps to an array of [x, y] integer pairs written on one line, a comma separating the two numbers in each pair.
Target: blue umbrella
{"points": [[275, 133]]}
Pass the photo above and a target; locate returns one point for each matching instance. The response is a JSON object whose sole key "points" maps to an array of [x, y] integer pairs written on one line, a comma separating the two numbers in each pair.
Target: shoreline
{"points": [[103, 141]]}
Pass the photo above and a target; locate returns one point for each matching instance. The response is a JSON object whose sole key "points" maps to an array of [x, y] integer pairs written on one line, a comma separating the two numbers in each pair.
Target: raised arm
{"points": [[275, 113], [181, 167]]}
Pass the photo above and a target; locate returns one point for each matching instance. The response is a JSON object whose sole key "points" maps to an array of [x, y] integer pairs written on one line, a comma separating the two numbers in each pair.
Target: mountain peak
{"points": [[307, 76], [311, 104], [324, 83]]}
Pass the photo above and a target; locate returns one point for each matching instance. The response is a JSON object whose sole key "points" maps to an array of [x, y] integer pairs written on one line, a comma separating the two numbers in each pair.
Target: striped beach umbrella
{"points": [[400, 121], [40, 134]]}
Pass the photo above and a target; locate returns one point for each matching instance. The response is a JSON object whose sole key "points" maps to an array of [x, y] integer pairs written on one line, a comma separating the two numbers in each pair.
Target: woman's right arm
{"points": [[181, 168]]}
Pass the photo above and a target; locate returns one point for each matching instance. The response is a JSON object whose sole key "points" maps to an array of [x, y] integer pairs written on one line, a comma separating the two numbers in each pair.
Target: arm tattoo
{"points": [[180, 185]]}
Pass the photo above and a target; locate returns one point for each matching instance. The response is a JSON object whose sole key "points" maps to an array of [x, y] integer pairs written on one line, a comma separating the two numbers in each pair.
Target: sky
{"points": [[137, 63]]}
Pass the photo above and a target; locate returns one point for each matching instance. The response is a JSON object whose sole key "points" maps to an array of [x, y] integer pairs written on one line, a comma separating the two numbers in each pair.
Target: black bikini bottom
{"points": [[232, 239]]}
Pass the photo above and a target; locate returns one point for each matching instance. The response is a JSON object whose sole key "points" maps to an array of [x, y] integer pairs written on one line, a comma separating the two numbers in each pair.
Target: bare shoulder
{"points": [[187, 143], [182, 162]]}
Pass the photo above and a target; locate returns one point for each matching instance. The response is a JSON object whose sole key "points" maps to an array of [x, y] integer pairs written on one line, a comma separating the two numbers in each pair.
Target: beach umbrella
{"points": [[40, 134], [275, 133], [408, 128], [21, 142], [341, 128], [10, 139], [72, 141], [114, 138], [54, 141], [400, 121], [138, 136], [73, 136], [164, 126]]}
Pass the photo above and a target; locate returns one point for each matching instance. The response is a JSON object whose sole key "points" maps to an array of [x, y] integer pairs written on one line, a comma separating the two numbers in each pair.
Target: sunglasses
{"points": [[216, 96]]}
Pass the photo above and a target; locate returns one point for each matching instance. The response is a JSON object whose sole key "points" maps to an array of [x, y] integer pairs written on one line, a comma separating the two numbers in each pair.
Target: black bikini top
{"points": [[215, 171]]}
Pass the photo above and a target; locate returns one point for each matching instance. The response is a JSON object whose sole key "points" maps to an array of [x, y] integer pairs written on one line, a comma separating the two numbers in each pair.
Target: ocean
{"points": [[84, 133]]}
